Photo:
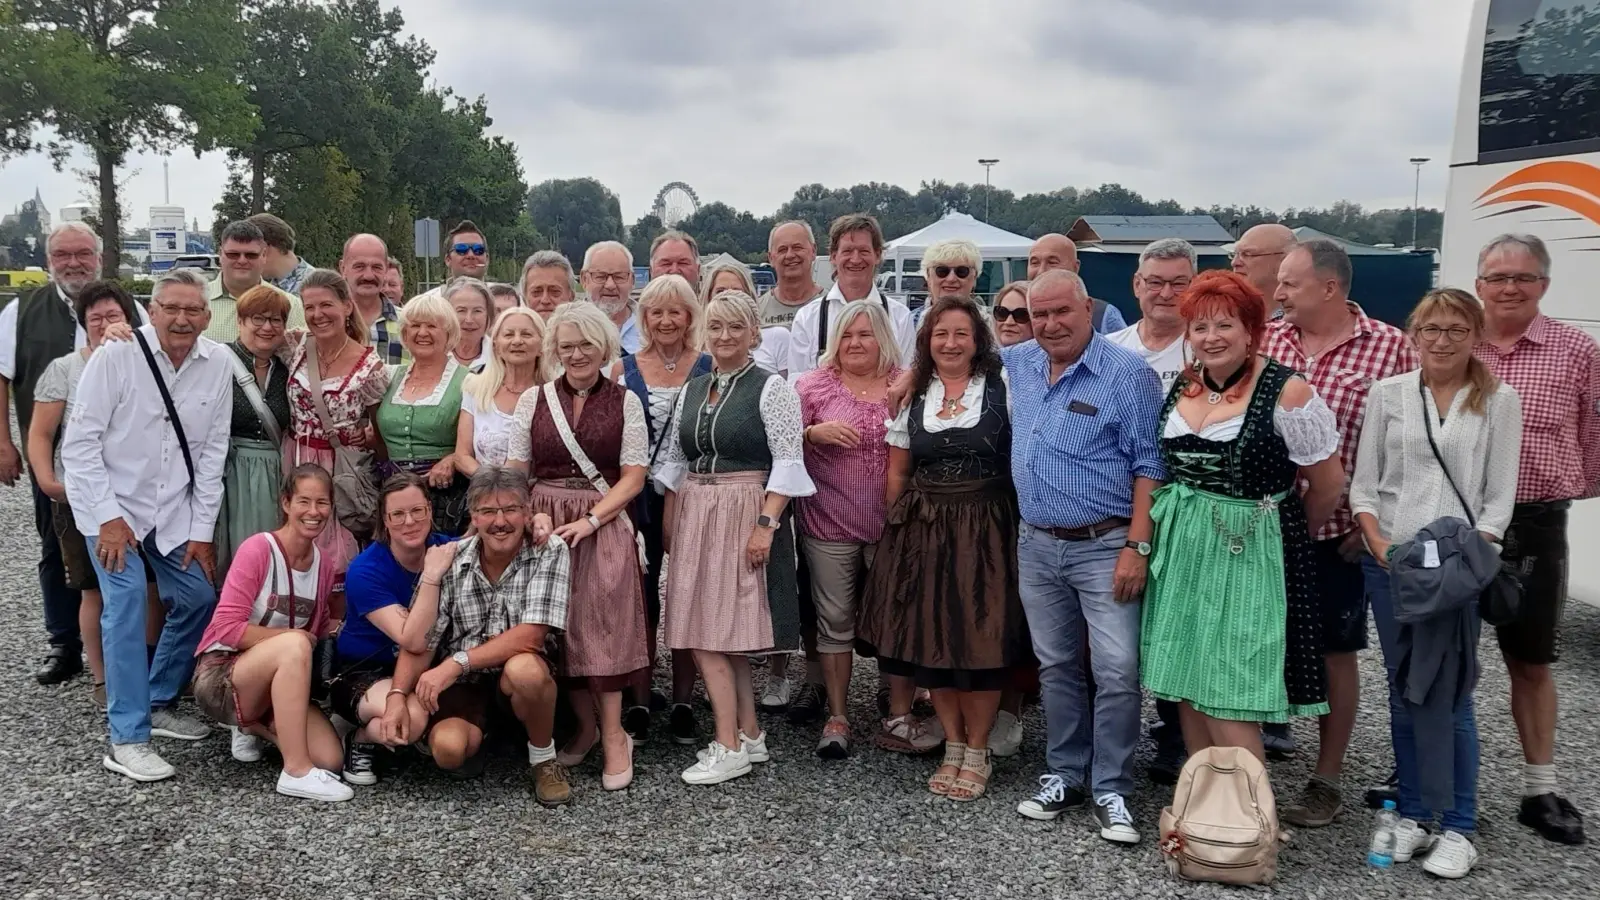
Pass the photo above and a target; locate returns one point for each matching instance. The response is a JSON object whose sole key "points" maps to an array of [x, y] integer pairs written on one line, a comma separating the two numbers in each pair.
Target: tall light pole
{"points": [[1416, 197], [987, 165]]}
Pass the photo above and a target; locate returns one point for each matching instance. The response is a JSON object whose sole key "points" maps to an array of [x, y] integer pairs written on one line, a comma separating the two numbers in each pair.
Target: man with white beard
{"points": [[45, 315], [607, 280]]}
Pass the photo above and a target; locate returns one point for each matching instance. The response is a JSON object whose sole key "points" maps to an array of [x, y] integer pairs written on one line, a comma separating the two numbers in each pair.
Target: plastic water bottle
{"points": [[1380, 855]]}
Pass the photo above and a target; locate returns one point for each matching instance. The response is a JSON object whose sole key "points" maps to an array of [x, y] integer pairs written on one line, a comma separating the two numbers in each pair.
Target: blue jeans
{"points": [[1065, 584], [134, 684], [1408, 757]]}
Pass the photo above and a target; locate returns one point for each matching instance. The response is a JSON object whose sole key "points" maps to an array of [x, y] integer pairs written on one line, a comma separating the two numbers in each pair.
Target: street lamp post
{"points": [[1416, 197], [987, 165]]}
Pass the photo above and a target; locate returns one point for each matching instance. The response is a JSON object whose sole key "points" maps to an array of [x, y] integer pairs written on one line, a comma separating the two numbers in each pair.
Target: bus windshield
{"points": [[1540, 92]]}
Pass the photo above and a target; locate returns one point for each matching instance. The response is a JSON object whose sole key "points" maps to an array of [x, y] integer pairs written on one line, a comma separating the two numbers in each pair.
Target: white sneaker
{"points": [[246, 747], [718, 765], [317, 784], [1453, 857], [776, 695], [1116, 823], [1005, 738], [1411, 840], [168, 724], [138, 761], [757, 749]]}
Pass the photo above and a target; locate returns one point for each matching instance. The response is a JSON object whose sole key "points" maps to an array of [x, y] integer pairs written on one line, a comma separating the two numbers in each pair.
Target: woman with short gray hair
{"points": [[951, 268], [473, 306]]}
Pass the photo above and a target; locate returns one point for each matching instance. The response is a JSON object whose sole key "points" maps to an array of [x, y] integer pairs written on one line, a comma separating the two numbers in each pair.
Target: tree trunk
{"points": [[107, 159], [258, 182]]}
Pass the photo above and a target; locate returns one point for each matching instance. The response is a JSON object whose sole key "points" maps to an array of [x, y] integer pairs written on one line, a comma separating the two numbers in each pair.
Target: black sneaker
{"points": [[636, 722], [806, 705], [685, 730], [471, 769], [359, 764], [1054, 798]]}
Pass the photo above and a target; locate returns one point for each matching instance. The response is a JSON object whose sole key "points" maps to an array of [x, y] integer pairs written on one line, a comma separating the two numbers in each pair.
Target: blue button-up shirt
{"points": [[1078, 444]]}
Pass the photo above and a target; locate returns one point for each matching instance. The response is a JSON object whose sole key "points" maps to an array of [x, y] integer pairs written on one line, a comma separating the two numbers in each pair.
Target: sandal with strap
{"points": [[954, 755], [977, 764]]}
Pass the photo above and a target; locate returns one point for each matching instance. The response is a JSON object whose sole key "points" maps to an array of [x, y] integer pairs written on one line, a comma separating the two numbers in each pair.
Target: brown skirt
{"points": [[942, 595], [605, 638], [715, 601]]}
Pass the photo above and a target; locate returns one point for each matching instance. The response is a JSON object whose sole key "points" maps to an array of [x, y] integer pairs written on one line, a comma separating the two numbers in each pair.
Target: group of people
{"points": [[458, 510]]}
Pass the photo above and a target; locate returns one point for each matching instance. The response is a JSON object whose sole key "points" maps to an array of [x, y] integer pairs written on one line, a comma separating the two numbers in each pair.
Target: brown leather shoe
{"points": [[550, 785]]}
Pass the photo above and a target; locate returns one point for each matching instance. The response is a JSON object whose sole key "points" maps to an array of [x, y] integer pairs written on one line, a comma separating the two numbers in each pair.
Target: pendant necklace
{"points": [[1215, 396], [672, 365]]}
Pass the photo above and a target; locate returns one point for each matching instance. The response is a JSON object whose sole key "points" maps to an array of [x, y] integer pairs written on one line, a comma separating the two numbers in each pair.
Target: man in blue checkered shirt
{"points": [[1085, 461]]}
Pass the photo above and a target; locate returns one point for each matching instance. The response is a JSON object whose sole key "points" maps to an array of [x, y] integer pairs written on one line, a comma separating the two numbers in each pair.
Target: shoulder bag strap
{"points": [[314, 373], [822, 327], [246, 380], [272, 567], [559, 417], [1427, 424], [172, 411]]}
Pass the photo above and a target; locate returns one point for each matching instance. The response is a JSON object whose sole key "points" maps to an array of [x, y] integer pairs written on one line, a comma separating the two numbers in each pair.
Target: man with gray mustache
{"points": [[143, 456]]}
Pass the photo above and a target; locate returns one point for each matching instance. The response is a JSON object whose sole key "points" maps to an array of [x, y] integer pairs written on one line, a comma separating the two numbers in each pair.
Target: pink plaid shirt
{"points": [[1555, 369], [848, 505], [1342, 376]]}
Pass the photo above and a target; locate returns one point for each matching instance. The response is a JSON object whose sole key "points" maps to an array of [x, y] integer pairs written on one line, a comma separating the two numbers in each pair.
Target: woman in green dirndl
{"points": [[1230, 626]]}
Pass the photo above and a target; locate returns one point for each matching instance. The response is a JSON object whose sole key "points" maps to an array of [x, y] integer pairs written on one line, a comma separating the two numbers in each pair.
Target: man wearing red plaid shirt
{"points": [[1555, 369], [1342, 352]]}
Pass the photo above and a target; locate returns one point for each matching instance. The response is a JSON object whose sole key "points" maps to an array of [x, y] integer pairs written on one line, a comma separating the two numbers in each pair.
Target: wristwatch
{"points": [[460, 658], [594, 522], [1140, 547], [765, 521]]}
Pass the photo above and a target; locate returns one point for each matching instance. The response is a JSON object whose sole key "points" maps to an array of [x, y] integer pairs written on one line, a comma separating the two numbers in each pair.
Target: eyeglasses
{"points": [[617, 277], [1257, 254], [1522, 278], [1158, 285], [262, 321], [237, 255], [495, 512], [568, 350], [944, 271], [474, 249], [414, 514], [85, 254], [192, 312], [1020, 316], [1456, 333]]}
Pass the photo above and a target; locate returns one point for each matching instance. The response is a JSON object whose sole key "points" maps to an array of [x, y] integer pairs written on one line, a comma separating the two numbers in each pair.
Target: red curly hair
{"points": [[1220, 292]]}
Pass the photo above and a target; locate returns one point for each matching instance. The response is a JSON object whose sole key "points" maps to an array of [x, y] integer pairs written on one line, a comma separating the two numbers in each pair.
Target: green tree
{"points": [[576, 213], [128, 75], [641, 234]]}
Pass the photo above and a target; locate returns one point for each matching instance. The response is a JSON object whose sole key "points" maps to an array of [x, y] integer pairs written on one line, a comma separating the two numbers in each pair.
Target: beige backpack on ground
{"points": [[1223, 822]]}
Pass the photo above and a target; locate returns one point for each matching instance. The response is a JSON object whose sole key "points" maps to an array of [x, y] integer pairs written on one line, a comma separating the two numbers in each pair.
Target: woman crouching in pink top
{"points": [[254, 672]]}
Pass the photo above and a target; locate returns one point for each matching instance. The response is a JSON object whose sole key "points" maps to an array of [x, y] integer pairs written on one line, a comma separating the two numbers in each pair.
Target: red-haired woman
{"points": [[1230, 613]]}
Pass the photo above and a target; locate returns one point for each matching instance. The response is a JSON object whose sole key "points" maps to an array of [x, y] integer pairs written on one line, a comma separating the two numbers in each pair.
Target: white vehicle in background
{"points": [[1526, 157]]}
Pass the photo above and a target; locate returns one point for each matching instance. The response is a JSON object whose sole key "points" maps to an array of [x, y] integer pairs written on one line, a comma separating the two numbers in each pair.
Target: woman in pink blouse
{"points": [[254, 672], [844, 407]]}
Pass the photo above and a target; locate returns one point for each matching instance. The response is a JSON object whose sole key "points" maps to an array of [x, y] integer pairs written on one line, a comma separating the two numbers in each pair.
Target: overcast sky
{"points": [[1272, 102]]}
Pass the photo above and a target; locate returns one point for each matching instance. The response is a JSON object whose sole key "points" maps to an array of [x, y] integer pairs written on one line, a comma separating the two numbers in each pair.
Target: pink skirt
{"points": [[605, 635], [715, 601]]}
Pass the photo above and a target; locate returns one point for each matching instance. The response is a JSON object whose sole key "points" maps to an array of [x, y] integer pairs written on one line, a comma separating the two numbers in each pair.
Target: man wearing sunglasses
{"points": [[466, 252], [1057, 251], [244, 263]]}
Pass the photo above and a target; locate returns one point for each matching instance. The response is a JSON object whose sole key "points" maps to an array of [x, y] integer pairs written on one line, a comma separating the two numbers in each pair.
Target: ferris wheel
{"points": [[675, 202]]}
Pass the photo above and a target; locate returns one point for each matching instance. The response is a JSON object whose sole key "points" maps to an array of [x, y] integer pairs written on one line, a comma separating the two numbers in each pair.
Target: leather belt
{"points": [[1088, 532]]}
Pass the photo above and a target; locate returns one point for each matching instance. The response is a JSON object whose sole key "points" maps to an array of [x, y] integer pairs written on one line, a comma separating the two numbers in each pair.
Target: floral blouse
{"points": [[347, 398]]}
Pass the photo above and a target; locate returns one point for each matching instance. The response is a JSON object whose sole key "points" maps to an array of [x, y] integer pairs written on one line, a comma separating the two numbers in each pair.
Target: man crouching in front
{"points": [[495, 596]]}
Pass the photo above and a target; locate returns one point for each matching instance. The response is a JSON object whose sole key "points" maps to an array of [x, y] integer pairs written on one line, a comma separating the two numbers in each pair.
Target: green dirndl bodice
{"points": [[1230, 617]]}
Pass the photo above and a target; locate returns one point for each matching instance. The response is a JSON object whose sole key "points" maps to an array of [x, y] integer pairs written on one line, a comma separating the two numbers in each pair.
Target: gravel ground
{"points": [[796, 828]]}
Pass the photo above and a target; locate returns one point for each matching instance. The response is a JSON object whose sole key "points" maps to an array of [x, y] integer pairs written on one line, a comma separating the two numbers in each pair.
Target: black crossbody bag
{"points": [[1501, 602], [172, 411]]}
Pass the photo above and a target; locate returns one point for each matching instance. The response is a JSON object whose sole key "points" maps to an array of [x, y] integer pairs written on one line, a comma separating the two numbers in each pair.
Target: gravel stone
{"points": [[864, 827]]}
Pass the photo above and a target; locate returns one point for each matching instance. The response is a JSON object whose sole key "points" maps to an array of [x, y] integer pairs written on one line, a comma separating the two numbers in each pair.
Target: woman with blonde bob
{"points": [[844, 406], [1475, 420], [732, 462], [950, 267], [671, 322], [583, 441], [488, 398], [417, 420]]}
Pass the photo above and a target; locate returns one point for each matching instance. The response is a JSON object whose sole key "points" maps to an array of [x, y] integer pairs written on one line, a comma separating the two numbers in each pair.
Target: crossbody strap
{"points": [[559, 417], [314, 372], [1427, 424], [172, 411], [246, 380]]}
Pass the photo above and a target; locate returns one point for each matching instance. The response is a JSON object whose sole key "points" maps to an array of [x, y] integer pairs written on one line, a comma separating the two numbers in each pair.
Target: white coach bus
{"points": [[1526, 157]]}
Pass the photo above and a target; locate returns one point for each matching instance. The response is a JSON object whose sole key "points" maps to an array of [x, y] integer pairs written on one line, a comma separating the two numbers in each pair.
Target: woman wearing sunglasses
{"points": [[951, 270], [1012, 324]]}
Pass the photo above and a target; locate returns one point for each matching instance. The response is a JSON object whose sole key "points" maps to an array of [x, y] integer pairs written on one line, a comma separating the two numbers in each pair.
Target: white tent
{"points": [[996, 247]]}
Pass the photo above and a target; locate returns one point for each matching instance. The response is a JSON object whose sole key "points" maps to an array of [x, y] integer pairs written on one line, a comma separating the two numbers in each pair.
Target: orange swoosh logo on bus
{"points": [[1576, 185]]}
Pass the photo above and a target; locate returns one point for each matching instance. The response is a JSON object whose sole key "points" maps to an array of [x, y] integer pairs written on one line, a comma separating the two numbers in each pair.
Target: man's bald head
{"points": [[1259, 252], [1052, 251], [365, 266]]}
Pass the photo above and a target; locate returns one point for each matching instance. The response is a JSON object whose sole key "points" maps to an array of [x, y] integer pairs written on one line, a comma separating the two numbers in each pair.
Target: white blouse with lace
{"points": [[491, 431], [1310, 431], [434, 397], [635, 433], [780, 413]]}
